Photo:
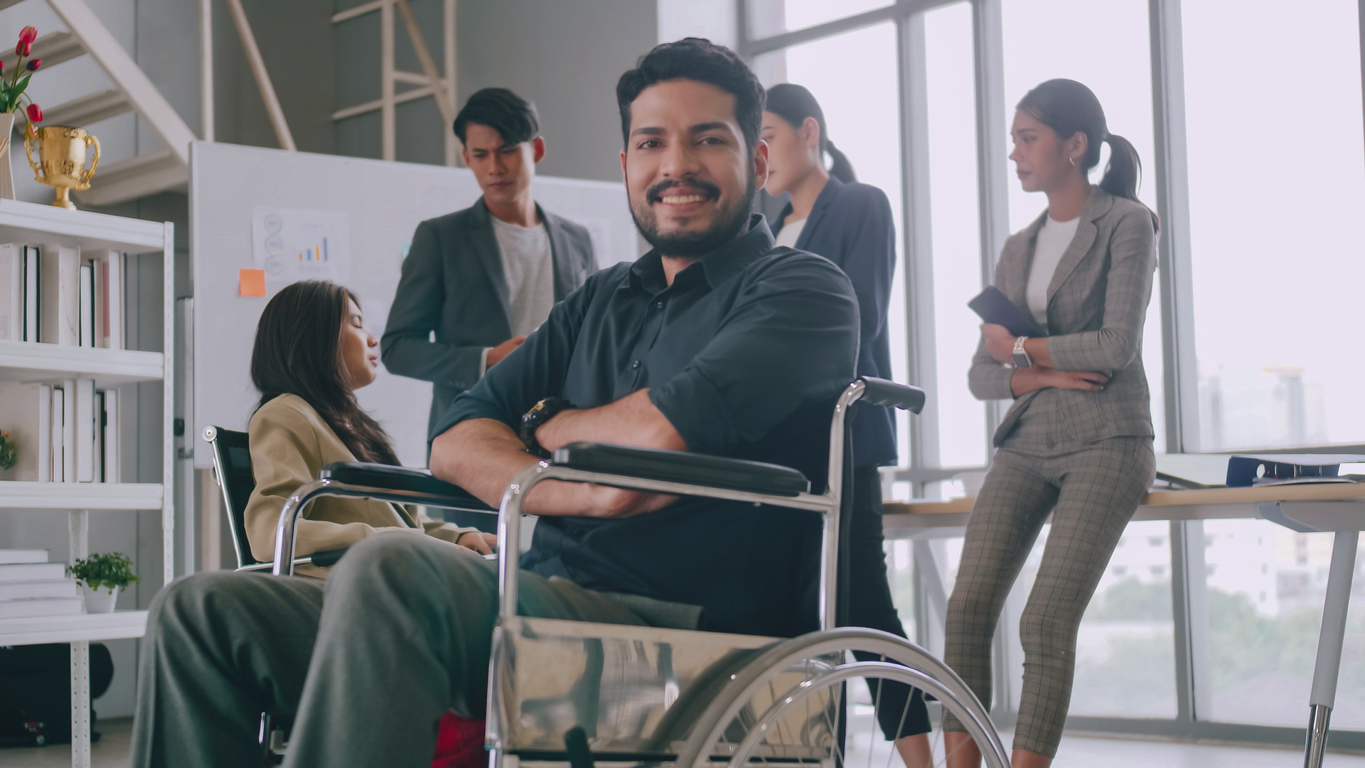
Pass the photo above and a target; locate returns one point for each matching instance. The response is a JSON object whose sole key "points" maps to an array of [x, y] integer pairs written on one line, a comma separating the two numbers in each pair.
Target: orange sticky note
{"points": [[251, 282]]}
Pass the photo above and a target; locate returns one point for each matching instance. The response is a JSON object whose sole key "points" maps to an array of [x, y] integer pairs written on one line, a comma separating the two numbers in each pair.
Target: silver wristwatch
{"points": [[1021, 358]]}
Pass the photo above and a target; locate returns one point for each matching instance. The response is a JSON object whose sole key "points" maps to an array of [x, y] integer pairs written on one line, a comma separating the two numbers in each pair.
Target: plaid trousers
{"points": [[1092, 492]]}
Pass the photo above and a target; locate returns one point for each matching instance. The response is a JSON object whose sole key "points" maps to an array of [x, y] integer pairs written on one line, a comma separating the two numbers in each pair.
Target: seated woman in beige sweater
{"points": [[312, 352]]}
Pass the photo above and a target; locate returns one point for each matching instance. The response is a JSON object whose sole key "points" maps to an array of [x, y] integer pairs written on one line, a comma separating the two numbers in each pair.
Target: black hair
{"points": [[1068, 107], [701, 60], [794, 104], [513, 117]]}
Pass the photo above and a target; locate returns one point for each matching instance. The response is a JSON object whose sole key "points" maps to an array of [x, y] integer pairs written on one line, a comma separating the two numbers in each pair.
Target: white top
{"points": [[529, 269], [791, 232], [1052, 241]]}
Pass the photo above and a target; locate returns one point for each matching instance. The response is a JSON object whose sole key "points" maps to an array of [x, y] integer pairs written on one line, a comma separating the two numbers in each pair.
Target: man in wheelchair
{"points": [[716, 341]]}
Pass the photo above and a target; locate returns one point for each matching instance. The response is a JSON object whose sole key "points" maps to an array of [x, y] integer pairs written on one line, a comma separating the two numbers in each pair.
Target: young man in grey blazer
{"points": [[483, 278]]}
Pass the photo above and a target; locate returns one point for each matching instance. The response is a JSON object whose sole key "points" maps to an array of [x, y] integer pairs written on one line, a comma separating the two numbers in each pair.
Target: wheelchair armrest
{"points": [[393, 478], [683, 467], [889, 393]]}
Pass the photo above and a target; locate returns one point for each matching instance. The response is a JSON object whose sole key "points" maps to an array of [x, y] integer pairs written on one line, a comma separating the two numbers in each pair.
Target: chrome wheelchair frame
{"points": [[668, 696]]}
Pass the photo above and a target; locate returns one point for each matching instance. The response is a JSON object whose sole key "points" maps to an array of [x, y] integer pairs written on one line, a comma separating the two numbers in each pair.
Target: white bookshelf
{"points": [[28, 362]]}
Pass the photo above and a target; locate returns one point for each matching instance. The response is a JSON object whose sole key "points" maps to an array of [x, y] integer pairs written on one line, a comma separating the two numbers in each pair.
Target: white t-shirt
{"points": [[528, 267], [1052, 241], [791, 232]]}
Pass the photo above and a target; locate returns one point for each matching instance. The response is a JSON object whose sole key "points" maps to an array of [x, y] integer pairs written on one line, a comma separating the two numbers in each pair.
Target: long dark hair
{"points": [[1066, 107], [298, 352], [794, 104]]}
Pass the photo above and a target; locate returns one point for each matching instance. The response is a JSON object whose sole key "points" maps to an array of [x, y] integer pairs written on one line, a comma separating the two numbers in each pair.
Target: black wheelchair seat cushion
{"points": [[683, 467]]}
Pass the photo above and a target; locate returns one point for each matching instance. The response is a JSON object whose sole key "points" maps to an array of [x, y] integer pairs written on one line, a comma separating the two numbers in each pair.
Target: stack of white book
{"points": [[63, 432], [30, 586], [55, 294]]}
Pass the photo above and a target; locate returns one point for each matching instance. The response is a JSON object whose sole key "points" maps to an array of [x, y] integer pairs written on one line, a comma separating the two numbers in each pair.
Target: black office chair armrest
{"points": [[889, 393], [391, 478], [328, 558], [683, 467]]}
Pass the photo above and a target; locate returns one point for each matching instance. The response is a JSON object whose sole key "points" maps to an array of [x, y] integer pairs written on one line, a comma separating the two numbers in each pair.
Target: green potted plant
{"points": [[101, 577]]}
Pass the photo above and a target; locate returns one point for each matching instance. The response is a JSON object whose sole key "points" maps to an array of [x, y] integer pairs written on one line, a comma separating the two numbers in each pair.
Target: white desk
{"points": [[1335, 507]]}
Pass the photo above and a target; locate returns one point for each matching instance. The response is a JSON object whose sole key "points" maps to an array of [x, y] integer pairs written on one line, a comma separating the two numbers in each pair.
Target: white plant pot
{"points": [[100, 600]]}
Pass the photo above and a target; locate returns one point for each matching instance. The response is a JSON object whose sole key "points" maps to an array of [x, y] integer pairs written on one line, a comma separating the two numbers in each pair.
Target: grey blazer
{"points": [[453, 284], [1097, 302]]}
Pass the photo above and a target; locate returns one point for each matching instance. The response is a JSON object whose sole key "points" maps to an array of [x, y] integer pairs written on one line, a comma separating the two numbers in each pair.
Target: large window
{"points": [[956, 236], [1197, 629], [1277, 183], [1046, 39], [771, 17]]}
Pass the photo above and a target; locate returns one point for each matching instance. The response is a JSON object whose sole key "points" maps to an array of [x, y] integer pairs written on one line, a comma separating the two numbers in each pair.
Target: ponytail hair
{"points": [[794, 103], [1068, 107]]}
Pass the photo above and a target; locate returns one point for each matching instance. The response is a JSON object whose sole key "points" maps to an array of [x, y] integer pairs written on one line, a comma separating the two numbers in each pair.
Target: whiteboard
{"points": [[379, 204]]}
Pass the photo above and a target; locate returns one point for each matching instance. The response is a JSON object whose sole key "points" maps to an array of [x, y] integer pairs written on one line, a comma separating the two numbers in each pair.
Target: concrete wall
{"points": [[564, 56]]}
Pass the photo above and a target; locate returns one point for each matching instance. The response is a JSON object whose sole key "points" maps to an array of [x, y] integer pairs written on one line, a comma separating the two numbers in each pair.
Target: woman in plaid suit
{"points": [[1077, 442]]}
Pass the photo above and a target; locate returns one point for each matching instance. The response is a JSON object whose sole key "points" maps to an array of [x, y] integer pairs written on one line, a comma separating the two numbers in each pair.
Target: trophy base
{"points": [[63, 201]]}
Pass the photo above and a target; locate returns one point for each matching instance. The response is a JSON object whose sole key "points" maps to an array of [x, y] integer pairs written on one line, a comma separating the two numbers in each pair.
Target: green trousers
{"points": [[365, 663]]}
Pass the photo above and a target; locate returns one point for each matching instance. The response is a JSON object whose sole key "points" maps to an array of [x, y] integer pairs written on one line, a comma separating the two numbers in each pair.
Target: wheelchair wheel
{"points": [[786, 705]]}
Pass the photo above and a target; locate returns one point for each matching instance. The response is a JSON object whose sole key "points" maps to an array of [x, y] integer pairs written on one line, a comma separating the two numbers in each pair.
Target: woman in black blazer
{"points": [[829, 213]]}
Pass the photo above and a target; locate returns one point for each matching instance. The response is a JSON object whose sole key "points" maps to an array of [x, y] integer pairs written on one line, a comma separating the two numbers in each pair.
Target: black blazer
{"points": [[851, 225], [453, 284]]}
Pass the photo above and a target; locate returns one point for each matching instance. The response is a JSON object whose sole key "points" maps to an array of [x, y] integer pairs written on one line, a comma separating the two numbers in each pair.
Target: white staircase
{"points": [[154, 171]]}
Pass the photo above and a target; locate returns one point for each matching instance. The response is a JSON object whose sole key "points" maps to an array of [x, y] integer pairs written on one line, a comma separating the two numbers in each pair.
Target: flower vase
{"points": [[100, 600], [6, 167]]}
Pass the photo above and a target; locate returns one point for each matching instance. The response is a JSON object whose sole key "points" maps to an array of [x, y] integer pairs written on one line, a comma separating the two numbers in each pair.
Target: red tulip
{"points": [[2, 67], [28, 34], [33, 64], [23, 48], [35, 113]]}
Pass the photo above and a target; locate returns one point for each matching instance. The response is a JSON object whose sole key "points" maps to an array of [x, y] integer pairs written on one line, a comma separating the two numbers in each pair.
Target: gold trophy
{"points": [[61, 159]]}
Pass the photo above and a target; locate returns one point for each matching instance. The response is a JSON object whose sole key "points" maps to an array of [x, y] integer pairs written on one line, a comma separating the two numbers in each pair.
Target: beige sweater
{"points": [[290, 444]]}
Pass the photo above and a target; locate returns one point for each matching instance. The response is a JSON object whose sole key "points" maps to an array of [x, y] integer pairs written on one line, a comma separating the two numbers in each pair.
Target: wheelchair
{"points": [[578, 693]]}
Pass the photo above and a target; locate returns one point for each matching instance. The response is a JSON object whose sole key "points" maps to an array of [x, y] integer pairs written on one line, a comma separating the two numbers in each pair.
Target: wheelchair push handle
{"points": [[882, 392]]}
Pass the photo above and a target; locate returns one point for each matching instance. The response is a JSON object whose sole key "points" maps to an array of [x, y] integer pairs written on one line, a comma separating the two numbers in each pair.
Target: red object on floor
{"points": [[459, 743]]}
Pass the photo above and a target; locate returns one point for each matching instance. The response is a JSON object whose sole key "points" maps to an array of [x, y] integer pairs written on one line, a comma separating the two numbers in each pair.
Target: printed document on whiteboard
{"points": [[293, 244]]}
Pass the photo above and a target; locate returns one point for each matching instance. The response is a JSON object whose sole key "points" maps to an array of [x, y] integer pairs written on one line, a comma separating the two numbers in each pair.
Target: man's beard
{"points": [[729, 223]]}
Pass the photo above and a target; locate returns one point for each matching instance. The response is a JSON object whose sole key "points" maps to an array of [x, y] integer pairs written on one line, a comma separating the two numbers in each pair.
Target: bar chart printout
{"points": [[292, 244]]}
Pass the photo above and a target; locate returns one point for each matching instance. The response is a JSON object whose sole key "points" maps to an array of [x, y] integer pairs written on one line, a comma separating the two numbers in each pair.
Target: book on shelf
{"points": [[110, 437], [60, 282], [39, 590], [65, 433], [26, 414], [86, 301], [33, 295], [53, 606], [58, 295], [17, 572], [109, 300], [69, 447], [11, 293], [58, 472], [12, 556], [85, 430]]}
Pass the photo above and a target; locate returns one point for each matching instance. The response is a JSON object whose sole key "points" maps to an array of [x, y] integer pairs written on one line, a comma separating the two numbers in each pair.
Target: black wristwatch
{"points": [[535, 418]]}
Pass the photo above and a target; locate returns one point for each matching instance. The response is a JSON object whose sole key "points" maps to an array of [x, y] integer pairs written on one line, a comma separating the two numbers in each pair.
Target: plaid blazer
{"points": [[1097, 302]]}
